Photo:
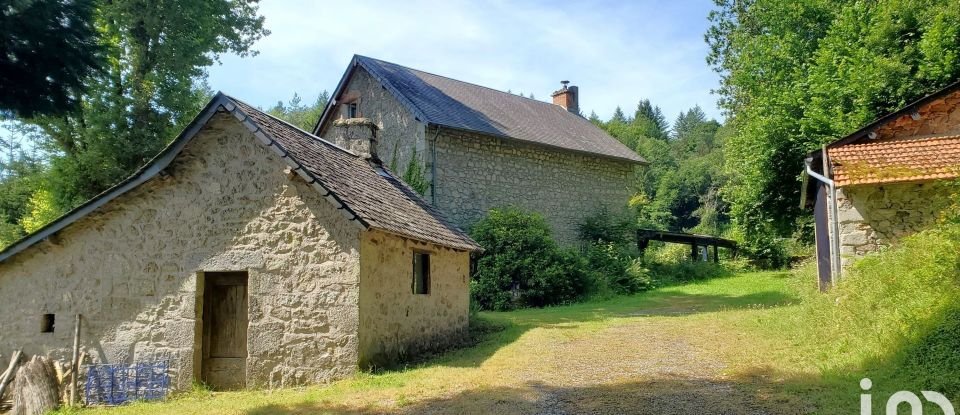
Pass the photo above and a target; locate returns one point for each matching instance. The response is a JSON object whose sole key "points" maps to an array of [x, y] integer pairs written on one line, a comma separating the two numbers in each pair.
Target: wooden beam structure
{"points": [[644, 236]]}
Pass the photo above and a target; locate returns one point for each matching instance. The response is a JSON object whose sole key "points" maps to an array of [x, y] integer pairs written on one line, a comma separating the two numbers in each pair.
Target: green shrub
{"points": [[605, 227], [521, 265], [686, 271], [614, 271]]}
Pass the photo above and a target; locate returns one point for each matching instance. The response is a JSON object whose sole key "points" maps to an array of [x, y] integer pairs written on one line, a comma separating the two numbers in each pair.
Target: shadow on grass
{"points": [[494, 330], [753, 394]]}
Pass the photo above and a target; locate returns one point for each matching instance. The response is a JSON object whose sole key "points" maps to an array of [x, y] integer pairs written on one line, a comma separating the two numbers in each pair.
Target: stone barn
{"points": [[248, 254], [476, 148], [887, 180]]}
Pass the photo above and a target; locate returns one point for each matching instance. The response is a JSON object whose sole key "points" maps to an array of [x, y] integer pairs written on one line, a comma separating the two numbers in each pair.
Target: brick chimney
{"points": [[358, 135], [567, 97]]}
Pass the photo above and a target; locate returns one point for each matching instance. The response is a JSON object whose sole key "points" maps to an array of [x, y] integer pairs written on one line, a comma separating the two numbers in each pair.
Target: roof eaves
{"points": [[295, 164], [406, 102], [144, 174], [915, 105]]}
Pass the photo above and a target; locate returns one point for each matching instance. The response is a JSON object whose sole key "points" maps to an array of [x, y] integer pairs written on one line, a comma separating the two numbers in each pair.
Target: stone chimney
{"points": [[358, 135], [567, 97]]}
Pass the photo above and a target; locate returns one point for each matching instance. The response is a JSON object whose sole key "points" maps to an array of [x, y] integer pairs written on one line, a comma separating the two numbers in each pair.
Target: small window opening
{"points": [[47, 322], [353, 111], [421, 273]]}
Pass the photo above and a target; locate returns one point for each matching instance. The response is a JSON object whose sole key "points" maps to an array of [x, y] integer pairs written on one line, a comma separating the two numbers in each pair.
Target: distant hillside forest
{"points": [[680, 189]]}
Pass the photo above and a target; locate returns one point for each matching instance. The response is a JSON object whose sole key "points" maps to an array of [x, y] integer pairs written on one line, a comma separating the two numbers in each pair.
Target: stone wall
{"points": [[131, 269], [475, 173], [875, 216], [400, 134], [394, 322]]}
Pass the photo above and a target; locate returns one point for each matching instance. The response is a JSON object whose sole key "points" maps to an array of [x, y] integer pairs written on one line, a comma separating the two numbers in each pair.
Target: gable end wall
{"points": [[401, 135], [131, 269]]}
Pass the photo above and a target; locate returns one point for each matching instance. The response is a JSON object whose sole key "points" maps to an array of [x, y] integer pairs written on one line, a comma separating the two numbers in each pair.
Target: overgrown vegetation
{"points": [[112, 120], [798, 74], [894, 317], [522, 266]]}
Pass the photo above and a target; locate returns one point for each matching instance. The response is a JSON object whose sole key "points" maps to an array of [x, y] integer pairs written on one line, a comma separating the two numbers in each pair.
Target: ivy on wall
{"points": [[414, 174]]}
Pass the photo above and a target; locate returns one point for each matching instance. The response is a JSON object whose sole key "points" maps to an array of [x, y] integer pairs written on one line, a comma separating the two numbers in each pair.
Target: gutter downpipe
{"points": [[433, 167], [834, 223]]}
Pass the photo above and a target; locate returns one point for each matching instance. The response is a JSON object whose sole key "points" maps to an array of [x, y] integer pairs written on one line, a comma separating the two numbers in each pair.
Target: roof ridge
{"points": [[464, 82], [287, 123], [898, 140]]}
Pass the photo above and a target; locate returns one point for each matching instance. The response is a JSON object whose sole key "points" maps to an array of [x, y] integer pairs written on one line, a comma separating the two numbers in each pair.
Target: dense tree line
{"points": [[798, 74], [133, 84], [680, 189]]}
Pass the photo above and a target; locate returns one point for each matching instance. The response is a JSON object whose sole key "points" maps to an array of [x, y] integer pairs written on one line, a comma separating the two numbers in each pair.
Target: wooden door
{"points": [[225, 330]]}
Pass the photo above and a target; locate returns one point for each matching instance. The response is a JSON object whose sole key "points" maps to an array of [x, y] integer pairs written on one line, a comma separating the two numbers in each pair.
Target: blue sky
{"points": [[616, 52]]}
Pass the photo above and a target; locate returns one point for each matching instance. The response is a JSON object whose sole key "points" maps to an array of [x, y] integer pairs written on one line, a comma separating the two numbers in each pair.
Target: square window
{"points": [[421, 273], [47, 322], [353, 111]]}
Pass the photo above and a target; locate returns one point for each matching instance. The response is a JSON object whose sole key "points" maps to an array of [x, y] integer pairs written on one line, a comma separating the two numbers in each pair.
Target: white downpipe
{"points": [[832, 219]]}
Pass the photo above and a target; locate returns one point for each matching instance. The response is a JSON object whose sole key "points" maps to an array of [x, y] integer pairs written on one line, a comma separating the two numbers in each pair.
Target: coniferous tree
{"points": [[618, 116]]}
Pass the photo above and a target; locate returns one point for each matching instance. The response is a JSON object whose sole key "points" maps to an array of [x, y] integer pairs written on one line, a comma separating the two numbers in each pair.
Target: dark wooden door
{"points": [[225, 330]]}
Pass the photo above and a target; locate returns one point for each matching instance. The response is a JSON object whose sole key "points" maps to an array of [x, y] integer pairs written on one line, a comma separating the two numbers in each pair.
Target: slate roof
{"points": [[371, 196], [442, 101], [895, 161]]}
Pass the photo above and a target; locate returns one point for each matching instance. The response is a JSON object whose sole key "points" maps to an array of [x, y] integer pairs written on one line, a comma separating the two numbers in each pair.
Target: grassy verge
{"points": [[744, 343]]}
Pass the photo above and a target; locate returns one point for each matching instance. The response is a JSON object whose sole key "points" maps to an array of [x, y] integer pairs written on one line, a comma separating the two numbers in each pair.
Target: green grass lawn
{"points": [[728, 345]]}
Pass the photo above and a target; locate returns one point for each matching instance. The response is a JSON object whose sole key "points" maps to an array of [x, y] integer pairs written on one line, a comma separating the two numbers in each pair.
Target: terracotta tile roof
{"points": [[894, 161], [439, 100], [373, 194]]}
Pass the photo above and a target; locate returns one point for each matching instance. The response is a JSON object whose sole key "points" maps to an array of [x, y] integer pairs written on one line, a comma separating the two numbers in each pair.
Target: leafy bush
{"points": [[686, 271], [614, 271], [521, 265], [605, 227]]}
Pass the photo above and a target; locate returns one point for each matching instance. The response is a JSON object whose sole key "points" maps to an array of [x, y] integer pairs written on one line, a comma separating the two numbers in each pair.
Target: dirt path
{"points": [[640, 366], [682, 350]]}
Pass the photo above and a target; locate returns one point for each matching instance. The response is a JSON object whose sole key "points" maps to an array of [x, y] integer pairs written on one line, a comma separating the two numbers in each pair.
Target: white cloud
{"points": [[617, 53]]}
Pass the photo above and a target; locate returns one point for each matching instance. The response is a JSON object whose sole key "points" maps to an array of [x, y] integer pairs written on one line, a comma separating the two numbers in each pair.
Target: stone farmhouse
{"points": [[480, 148], [248, 253], [885, 181]]}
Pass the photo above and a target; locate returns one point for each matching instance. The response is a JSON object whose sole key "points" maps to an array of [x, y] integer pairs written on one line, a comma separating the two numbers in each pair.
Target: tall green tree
{"points": [[48, 49], [796, 75], [158, 52], [651, 120], [679, 189], [618, 116]]}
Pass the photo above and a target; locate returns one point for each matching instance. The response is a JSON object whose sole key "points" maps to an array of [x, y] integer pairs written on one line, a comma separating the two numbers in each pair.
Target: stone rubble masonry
{"points": [[475, 173], [872, 217], [396, 324], [400, 135], [358, 135], [131, 268]]}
